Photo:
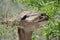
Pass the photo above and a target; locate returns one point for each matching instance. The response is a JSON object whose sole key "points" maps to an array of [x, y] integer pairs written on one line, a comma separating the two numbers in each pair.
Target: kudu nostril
{"points": [[43, 17], [47, 17]]}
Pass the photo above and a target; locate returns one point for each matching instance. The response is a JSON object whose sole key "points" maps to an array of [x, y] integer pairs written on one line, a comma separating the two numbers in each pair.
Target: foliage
{"points": [[7, 33], [50, 7]]}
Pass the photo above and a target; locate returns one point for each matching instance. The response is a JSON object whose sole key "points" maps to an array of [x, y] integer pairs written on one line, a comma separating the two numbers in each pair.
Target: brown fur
{"points": [[25, 33]]}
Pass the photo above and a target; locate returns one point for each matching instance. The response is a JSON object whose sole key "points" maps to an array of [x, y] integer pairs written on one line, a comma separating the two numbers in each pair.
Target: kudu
{"points": [[29, 21]]}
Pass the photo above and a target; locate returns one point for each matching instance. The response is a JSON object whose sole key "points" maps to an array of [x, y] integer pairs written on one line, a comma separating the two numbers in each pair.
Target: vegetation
{"points": [[50, 31]]}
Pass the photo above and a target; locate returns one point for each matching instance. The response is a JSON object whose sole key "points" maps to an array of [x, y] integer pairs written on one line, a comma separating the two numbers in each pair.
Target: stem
{"points": [[47, 37]]}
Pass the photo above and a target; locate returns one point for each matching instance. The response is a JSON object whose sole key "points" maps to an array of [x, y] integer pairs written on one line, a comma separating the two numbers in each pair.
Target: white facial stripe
{"points": [[31, 18]]}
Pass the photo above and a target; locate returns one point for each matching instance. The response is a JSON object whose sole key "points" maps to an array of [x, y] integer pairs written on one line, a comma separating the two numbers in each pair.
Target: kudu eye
{"points": [[24, 17]]}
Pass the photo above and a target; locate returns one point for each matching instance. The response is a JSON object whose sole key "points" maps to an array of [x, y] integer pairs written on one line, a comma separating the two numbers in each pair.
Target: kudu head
{"points": [[31, 20], [34, 16]]}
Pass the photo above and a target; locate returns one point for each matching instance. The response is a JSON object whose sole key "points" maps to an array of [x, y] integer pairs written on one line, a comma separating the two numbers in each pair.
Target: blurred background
{"points": [[10, 9]]}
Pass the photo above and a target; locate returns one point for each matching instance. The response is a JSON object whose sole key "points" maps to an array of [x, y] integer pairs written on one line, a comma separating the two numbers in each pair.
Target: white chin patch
{"points": [[43, 22]]}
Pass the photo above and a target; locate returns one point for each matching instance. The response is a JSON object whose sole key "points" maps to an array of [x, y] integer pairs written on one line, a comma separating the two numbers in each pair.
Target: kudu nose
{"points": [[44, 15]]}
